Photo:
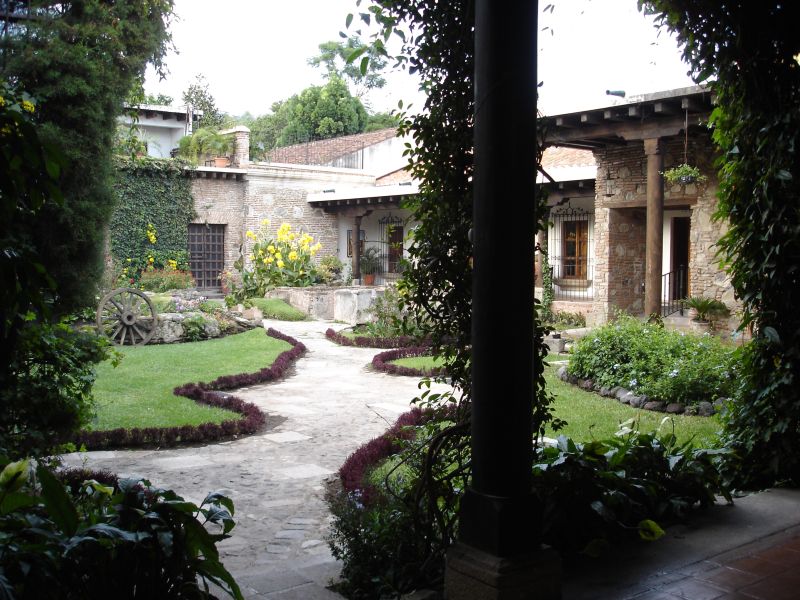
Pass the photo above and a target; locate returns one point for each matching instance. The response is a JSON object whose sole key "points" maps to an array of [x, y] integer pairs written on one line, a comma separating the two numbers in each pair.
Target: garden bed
{"points": [[386, 362], [370, 341], [249, 418]]}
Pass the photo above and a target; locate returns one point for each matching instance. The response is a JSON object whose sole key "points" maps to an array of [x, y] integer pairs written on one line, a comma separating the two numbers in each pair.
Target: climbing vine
{"points": [[749, 53], [149, 227]]}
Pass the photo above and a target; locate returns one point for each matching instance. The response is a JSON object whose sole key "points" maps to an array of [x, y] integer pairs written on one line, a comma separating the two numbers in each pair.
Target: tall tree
{"points": [[335, 58], [749, 52], [78, 60], [198, 95]]}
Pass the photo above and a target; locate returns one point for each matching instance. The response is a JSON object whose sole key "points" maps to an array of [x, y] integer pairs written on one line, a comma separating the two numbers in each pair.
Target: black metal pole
{"points": [[497, 515]]}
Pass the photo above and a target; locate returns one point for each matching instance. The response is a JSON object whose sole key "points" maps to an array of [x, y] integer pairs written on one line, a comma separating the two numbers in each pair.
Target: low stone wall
{"points": [[344, 304], [171, 327]]}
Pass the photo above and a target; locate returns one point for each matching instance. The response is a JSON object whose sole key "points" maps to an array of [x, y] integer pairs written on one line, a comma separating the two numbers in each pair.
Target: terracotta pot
{"points": [[369, 279], [221, 161]]}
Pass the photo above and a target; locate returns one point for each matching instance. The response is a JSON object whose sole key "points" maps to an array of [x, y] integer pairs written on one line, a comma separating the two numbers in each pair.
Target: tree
{"points": [[749, 54], [78, 60], [200, 98], [379, 121], [160, 99], [334, 56], [319, 112]]}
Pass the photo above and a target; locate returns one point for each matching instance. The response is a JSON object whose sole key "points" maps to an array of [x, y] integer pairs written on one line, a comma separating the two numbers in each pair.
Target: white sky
{"points": [[254, 52]]}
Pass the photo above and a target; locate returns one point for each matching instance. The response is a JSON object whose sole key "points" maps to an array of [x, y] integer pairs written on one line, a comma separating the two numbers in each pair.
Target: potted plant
{"points": [[683, 173], [370, 265], [705, 309], [206, 144]]}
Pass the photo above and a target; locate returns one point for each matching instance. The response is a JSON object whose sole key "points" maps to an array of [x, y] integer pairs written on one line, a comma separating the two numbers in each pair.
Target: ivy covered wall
{"points": [[154, 207]]}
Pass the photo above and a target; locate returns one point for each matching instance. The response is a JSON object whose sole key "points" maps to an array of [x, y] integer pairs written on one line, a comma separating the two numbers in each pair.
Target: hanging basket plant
{"points": [[684, 173]]}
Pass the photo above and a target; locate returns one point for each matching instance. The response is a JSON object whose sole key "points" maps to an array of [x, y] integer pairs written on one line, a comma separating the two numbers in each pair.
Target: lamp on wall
{"points": [[620, 93]]}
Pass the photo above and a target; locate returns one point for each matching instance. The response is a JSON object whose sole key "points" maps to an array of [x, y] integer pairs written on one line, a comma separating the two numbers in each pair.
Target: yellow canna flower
{"points": [[2, 101], [278, 256], [271, 249], [292, 255], [265, 221], [266, 261], [28, 106], [269, 260], [250, 234], [280, 264]]}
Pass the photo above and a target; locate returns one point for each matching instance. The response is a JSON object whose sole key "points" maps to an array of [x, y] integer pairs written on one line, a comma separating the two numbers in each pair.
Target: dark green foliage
{"points": [[378, 121], [320, 112], [663, 365], [164, 280], [79, 60], [590, 496], [200, 98], [47, 394], [157, 192], [129, 540], [748, 50], [343, 59]]}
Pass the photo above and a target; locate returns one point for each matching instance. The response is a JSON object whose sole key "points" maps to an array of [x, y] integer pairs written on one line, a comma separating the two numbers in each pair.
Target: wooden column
{"points": [[356, 239], [498, 554], [655, 226]]}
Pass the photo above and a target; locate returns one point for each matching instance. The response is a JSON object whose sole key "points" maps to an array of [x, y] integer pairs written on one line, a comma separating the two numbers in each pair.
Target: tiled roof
{"points": [[556, 157], [323, 152]]}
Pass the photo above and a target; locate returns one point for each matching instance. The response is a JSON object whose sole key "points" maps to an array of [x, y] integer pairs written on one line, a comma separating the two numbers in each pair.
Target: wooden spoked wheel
{"points": [[127, 317]]}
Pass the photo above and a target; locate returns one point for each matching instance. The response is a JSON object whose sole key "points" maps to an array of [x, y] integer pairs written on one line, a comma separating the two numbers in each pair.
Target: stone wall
{"points": [[620, 229], [277, 193]]}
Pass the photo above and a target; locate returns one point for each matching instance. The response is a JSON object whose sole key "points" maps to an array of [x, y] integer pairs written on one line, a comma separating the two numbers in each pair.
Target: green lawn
{"points": [[591, 416], [272, 308], [422, 363], [138, 393]]}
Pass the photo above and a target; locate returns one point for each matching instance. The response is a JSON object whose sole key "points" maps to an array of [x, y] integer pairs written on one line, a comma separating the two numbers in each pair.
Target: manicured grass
{"points": [[421, 363], [138, 393], [273, 308], [591, 416]]}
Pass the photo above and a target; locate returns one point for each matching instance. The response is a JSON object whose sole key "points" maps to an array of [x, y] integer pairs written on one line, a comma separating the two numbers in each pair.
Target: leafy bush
{"points": [[164, 280], [589, 495], [130, 538], [389, 317], [194, 328], [48, 395], [562, 319], [706, 308], [664, 365], [329, 270], [283, 260]]}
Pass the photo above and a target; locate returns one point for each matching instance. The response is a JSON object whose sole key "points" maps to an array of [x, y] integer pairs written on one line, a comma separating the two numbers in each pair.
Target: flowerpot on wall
{"points": [[221, 161], [369, 279]]}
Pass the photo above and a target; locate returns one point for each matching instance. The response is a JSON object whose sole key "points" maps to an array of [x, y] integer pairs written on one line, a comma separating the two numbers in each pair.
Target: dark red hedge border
{"points": [[382, 362], [362, 341], [204, 393], [368, 455]]}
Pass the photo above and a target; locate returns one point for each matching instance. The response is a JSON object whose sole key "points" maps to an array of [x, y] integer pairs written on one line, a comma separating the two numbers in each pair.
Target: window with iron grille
{"points": [[570, 252]]}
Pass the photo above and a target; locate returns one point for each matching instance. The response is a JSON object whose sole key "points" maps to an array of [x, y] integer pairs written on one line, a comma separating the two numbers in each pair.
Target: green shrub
{"points": [[129, 540], [390, 318], [194, 328], [664, 365], [164, 280], [329, 270]]}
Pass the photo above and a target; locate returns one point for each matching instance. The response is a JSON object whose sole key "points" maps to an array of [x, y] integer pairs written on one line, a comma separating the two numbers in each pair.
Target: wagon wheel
{"points": [[127, 317]]}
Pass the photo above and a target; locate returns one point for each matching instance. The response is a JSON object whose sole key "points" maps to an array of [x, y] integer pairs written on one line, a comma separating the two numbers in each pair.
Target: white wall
{"points": [[666, 244]]}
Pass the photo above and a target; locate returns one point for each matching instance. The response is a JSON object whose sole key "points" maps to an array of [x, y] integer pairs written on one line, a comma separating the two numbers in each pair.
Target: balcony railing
{"points": [[572, 280], [674, 287]]}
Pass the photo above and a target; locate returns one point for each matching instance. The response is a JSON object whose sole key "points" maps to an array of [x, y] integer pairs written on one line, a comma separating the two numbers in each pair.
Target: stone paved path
{"points": [[330, 404]]}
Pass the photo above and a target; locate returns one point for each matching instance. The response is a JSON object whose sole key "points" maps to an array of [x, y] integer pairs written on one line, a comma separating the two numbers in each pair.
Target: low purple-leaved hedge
{"points": [[382, 362], [353, 471], [364, 341], [252, 418]]}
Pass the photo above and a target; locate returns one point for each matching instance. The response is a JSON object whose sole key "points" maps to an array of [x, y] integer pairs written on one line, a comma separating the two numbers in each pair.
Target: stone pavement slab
{"points": [[328, 405]]}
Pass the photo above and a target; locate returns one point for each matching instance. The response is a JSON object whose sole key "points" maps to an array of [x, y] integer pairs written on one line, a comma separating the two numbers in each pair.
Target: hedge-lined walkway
{"points": [[330, 405]]}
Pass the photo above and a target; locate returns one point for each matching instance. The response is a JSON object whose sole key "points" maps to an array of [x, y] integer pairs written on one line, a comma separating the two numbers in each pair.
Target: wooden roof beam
{"points": [[567, 121], [666, 108]]}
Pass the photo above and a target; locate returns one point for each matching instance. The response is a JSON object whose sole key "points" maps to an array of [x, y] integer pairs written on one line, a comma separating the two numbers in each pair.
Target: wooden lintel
{"points": [[613, 115], [668, 203], [631, 130]]}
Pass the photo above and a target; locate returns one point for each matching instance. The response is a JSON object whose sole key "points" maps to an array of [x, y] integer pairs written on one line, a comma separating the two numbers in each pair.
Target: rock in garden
{"points": [[675, 408], [607, 392], [690, 411], [562, 373], [585, 384], [634, 400], [705, 409], [620, 393], [653, 405]]}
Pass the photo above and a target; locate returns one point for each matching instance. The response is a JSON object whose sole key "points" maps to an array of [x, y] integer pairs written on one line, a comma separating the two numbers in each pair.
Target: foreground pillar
{"points": [[498, 555], [655, 226]]}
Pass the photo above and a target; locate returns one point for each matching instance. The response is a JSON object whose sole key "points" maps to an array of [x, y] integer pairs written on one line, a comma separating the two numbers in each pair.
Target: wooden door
{"points": [[395, 248], [575, 251], [207, 254]]}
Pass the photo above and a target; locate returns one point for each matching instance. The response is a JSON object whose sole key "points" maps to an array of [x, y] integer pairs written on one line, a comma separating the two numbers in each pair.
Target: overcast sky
{"points": [[254, 52]]}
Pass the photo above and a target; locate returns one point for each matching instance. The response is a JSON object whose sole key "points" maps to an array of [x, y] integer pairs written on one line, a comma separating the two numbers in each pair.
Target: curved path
{"points": [[330, 404]]}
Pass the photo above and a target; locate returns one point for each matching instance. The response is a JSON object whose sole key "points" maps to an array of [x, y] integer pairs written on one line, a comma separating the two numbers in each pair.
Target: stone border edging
{"points": [[364, 341], [381, 362], [624, 396], [203, 393]]}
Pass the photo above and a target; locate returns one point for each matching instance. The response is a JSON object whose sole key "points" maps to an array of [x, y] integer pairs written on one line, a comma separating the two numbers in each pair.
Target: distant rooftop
{"points": [[323, 152]]}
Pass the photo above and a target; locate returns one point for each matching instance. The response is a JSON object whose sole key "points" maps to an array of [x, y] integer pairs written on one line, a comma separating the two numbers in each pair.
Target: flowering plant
{"points": [[283, 260]]}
